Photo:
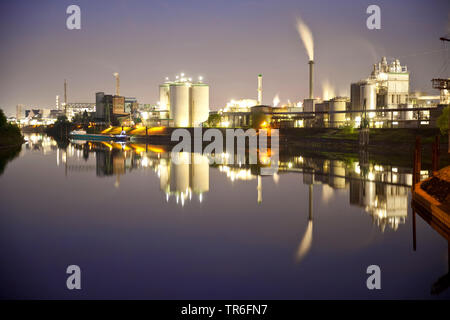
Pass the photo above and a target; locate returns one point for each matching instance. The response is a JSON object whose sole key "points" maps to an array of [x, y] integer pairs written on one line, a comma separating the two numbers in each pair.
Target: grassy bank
{"points": [[394, 140]]}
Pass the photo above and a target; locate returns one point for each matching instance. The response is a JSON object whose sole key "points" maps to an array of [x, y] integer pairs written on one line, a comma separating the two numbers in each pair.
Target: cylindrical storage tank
{"points": [[179, 104], [407, 115], [369, 97], [199, 104], [179, 173], [199, 173], [164, 96], [337, 119]]}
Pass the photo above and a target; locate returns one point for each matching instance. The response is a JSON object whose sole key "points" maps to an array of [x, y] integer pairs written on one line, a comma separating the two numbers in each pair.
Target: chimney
{"points": [[259, 89], [311, 79], [116, 75]]}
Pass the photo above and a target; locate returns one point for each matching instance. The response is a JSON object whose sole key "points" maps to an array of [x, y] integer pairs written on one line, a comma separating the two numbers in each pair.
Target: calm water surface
{"points": [[141, 226]]}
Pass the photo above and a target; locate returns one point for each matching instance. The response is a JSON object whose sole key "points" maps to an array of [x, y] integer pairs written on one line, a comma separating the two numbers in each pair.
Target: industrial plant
{"points": [[381, 99]]}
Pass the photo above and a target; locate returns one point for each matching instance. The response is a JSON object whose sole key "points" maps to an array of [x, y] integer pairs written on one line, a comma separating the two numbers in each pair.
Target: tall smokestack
{"points": [[65, 97], [311, 79], [116, 75], [259, 89]]}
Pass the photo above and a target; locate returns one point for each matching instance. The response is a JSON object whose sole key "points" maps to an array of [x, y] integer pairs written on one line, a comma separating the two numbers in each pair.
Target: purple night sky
{"points": [[228, 42]]}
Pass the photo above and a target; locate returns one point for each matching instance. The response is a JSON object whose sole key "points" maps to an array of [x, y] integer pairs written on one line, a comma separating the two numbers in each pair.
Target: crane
{"points": [[443, 84]]}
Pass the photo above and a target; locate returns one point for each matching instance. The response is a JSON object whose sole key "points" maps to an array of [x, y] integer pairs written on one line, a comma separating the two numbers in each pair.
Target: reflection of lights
{"points": [[144, 162], [357, 168], [378, 168], [371, 176], [237, 174], [200, 197], [276, 178], [394, 170]]}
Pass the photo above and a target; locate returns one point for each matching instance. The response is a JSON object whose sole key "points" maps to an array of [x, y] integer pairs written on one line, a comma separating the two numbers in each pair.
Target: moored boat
{"points": [[82, 135]]}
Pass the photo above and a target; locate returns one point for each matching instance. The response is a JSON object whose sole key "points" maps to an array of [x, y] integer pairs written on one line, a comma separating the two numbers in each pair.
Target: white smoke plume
{"points": [[328, 91], [307, 38], [276, 100]]}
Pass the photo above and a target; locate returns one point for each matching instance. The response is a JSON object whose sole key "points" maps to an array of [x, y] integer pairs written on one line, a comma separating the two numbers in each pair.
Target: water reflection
{"points": [[315, 211], [381, 190], [443, 282]]}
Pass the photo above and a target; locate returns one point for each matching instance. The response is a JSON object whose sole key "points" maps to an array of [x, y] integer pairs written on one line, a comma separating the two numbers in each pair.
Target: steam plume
{"points": [[307, 38], [276, 100]]}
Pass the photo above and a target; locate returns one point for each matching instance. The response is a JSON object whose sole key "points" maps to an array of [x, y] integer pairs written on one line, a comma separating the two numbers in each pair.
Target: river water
{"points": [[140, 226]]}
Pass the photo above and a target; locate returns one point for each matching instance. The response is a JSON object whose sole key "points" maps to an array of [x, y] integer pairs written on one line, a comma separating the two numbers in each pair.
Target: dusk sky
{"points": [[227, 42]]}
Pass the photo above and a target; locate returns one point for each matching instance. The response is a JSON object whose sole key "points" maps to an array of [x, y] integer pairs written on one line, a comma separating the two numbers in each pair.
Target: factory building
{"points": [[386, 88], [111, 108], [130, 105], [186, 102]]}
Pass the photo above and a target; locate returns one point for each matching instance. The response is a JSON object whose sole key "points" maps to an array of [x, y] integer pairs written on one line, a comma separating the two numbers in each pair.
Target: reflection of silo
{"points": [[368, 197], [179, 104], [199, 103], [337, 174], [337, 104], [368, 96], [164, 96], [200, 173], [163, 175], [179, 173]]}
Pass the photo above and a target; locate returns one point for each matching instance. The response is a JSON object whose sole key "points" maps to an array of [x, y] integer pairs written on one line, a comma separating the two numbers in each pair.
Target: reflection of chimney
{"points": [[311, 79], [259, 188], [259, 89], [310, 216]]}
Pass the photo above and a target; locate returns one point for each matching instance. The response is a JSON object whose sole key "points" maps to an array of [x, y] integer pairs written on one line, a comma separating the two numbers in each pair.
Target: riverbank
{"points": [[433, 195], [10, 134], [380, 140]]}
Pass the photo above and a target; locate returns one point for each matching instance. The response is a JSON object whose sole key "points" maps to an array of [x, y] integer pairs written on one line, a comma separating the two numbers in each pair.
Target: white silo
{"points": [[164, 96], [337, 104], [407, 115], [179, 103], [199, 103], [368, 97]]}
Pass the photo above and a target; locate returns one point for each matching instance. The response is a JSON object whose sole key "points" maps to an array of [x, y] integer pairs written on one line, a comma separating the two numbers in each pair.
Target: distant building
{"points": [[131, 105], [20, 112], [386, 88], [109, 108], [118, 106]]}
